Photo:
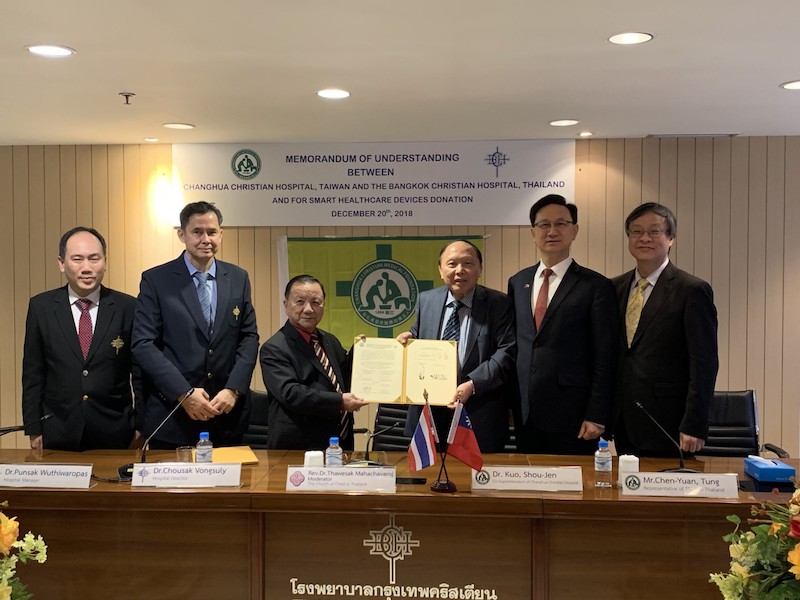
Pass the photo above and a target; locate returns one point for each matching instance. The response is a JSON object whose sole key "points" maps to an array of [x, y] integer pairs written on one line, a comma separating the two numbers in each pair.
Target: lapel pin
{"points": [[236, 312], [117, 343]]}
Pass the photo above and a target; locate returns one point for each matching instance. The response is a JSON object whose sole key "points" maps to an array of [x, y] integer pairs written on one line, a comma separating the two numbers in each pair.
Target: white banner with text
{"points": [[399, 183]]}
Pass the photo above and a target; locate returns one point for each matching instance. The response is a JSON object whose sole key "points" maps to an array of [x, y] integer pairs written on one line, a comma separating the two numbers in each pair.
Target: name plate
{"points": [[173, 474], [532, 479], [681, 485], [46, 476], [341, 479]]}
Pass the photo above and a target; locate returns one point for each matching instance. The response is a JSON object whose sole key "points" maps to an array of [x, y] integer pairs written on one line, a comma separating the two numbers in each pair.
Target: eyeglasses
{"points": [[546, 225], [653, 234]]}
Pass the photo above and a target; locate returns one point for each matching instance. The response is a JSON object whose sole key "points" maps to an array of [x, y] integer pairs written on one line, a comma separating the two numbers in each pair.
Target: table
{"points": [[260, 542]]}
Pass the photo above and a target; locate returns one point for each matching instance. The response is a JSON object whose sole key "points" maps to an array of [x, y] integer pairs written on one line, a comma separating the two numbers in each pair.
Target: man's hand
{"points": [[198, 407], [692, 444], [463, 393], [137, 441], [351, 402], [404, 337], [36, 442], [224, 401], [590, 431]]}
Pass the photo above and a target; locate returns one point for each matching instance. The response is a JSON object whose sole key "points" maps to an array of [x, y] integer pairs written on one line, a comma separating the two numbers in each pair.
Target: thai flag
{"points": [[461, 441], [422, 450]]}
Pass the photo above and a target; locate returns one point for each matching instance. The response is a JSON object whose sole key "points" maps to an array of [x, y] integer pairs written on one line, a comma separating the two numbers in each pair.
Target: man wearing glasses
{"points": [[668, 343], [566, 324]]}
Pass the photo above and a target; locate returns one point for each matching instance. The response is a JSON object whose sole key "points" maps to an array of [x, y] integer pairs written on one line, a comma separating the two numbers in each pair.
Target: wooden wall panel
{"points": [[737, 202]]}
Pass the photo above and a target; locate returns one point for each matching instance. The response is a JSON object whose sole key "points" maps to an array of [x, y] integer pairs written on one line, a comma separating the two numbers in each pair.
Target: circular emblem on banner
{"points": [[246, 164], [384, 293], [632, 482]]}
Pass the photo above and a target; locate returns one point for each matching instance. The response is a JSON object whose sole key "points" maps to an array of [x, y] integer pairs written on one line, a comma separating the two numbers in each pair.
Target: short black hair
{"points": [[199, 208], [302, 280], [62, 244], [468, 243], [553, 199], [658, 209]]}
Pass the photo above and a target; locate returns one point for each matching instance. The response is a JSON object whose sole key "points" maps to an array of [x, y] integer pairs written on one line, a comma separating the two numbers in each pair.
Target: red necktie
{"points": [[542, 298], [84, 326]]}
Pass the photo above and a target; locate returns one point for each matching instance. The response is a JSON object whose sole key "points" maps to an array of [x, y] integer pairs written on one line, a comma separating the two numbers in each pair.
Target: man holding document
{"points": [[306, 372], [481, 321]]}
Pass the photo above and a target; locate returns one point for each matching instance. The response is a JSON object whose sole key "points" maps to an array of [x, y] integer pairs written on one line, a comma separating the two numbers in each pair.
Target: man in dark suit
{"points": [[566, 324], [486, 347], [195, 338], [668, 342], [77, 357], [306, 373]]}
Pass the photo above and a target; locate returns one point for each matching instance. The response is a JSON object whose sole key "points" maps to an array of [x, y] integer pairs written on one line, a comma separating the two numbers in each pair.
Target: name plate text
{"points": [[681, 485], [169, 474], [46, 476], [341, 479], [526, 478]]}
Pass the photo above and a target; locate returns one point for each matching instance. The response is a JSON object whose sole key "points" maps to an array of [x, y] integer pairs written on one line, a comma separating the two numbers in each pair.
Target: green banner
{"points": [[371, 284]]}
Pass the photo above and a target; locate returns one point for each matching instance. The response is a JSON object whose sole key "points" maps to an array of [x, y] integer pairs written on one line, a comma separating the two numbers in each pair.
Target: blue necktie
{"points": [[204, 295], [452, 331]]}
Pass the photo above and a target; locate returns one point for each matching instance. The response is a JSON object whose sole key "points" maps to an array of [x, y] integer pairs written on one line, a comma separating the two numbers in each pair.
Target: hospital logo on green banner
{"points": [[384, 293]]}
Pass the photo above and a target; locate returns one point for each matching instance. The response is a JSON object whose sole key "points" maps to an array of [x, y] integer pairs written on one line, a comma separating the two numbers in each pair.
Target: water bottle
{"points": [[333, 455], [204, 449], [602, 465]]}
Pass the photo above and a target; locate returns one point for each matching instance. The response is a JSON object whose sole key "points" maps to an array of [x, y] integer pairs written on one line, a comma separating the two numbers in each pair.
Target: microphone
{"points": [[682, 468], [13, 428], [366, 462], [126, 471]]}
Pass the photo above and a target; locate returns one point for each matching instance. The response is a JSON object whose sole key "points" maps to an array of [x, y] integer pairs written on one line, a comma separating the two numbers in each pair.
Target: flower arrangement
{"points": [[28, 548], [765, 560]]}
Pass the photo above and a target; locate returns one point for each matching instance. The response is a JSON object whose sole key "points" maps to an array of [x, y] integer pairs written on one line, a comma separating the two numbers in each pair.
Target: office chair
{"points": [[394, 439], [733, 426], [258, 422]]}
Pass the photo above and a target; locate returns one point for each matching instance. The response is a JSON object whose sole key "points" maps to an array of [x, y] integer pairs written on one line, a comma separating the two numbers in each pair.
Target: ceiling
{"points": [[417, 70]]}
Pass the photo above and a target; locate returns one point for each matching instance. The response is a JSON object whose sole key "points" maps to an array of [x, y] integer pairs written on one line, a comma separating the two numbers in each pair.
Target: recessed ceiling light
{"points": [[585, 134], [564, 122], [629, 38], [150, 139], [333, 94], [51, 51], [791, 85], [178, 125]]}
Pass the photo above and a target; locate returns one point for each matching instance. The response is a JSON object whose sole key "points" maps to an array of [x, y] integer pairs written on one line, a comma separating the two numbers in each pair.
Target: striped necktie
{"points": [[204, 295], [452, 331], [344, 420]]}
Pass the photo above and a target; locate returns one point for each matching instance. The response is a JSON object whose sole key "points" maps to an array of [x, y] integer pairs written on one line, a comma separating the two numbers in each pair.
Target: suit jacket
{"points": [[671, 366], [91, 394], [304, 408], [488, 362], [566, 368], [171, 343]]}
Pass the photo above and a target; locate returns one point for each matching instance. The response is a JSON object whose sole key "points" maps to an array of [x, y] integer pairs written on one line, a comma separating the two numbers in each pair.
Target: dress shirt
{"points": [[465, 319], [559, 270], [76, 311], [212, 283], [652, 278]]}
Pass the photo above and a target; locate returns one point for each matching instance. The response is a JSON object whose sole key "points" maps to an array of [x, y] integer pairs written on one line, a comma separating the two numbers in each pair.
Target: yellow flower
{"points": [[5, 591], [736, 550], [9, 530], [794, 557], [775, 528], [739, 570]]}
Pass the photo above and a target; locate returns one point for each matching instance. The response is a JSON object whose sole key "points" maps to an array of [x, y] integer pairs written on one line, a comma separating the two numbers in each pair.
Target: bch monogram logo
{"points": [[392, 543]]}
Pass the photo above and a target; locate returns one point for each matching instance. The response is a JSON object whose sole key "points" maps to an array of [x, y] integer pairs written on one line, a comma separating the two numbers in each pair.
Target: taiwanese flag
{"points": [[461, 441], [422, 450]]}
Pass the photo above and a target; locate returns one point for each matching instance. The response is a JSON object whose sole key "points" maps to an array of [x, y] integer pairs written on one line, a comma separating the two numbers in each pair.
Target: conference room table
{"points": [[260, 541]]}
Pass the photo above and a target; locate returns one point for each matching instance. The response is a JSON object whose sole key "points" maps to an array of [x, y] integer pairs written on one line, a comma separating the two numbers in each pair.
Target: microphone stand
{"points": [[13, 428], [682, 468], [126, 471], [366, 462]]}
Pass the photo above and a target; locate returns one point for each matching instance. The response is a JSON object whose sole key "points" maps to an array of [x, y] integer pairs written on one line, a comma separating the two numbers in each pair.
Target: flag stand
{"points": [[446, 486]]}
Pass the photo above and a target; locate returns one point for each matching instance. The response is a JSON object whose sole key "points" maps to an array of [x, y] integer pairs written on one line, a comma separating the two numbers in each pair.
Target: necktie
{"points": [[452, 331], [344, 421], [84, 326], [204, 295], [634, 310], [542, 299]]}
